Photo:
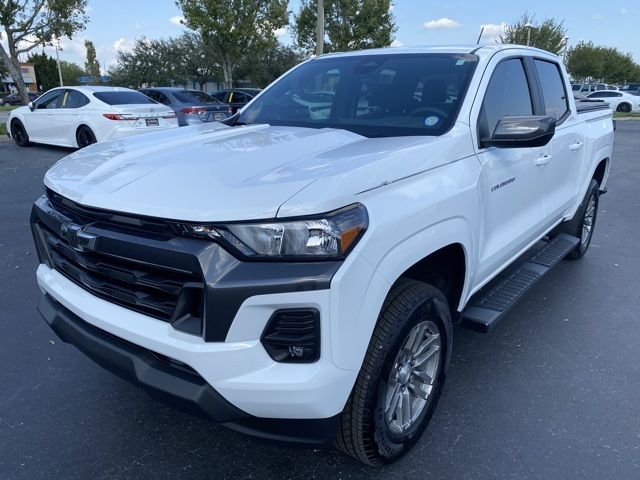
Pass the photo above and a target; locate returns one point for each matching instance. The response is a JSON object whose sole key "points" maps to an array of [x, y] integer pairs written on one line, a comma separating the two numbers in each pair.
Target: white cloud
{"points": [[123, 44], [492, 32], [176, 20], [441, 23], [391, 7], [597, 16], [397, 43], [280, 32]]}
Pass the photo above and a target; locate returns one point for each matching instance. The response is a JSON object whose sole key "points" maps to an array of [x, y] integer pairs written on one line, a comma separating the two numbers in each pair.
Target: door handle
{"points": [[576, 146], [543, 160]]}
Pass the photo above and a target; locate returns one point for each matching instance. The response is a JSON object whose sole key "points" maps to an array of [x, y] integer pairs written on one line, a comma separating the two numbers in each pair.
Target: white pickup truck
{"points": [[295, 272]]}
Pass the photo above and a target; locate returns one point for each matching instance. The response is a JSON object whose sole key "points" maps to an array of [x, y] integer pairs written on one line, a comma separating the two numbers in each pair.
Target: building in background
{"points": [[28, 75]]}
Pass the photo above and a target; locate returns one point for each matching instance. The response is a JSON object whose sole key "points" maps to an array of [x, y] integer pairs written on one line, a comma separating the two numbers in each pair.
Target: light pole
{"points": [[58, 60], [564, 50], [320, 29], [528, 25]]}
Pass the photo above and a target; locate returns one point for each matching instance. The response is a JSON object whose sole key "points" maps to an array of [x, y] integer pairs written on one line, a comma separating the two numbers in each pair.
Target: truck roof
{"points": [[479, 49]]}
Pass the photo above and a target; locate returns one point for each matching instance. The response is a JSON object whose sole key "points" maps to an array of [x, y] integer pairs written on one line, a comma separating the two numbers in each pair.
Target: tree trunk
{"points": [[13, 66]]}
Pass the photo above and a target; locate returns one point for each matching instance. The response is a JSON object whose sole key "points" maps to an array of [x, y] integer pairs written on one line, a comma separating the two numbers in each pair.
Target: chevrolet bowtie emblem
{"points": [[77, 238]]}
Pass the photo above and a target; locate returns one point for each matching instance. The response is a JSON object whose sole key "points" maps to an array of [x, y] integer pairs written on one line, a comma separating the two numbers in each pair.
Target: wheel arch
{"points": [[601, 172], [84, 125], [438, 256]]}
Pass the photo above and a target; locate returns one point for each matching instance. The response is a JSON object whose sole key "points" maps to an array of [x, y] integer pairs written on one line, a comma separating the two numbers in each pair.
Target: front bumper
{"points": [[173, 383]]}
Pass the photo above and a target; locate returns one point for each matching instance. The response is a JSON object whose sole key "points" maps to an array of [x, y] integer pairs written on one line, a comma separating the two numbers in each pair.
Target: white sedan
{"points": [[80, 116], [618, 100]]}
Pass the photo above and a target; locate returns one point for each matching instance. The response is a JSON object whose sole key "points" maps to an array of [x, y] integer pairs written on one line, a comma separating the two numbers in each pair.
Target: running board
{"points": [[484, 314]]}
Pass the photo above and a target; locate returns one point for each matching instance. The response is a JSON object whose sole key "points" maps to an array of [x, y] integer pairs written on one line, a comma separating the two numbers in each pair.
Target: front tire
{"points": [[19, 134], [401, 378], [85, 137]]}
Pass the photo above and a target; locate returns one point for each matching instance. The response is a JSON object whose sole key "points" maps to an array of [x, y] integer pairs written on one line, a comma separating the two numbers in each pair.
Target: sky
{"points": [[115, 24]]}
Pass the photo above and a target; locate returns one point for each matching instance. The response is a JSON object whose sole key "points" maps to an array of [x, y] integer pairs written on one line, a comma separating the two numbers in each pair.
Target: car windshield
{"points": [[195, 97], [371, 95], [122, 97]]}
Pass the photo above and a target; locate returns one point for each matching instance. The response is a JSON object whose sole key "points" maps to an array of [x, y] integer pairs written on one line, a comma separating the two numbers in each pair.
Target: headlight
{"points": [[331, 235]]}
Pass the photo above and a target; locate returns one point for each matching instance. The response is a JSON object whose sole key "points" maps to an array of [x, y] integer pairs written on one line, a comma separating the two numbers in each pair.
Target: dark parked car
{"points": [[14, 99], [236, 97], [633, 88], [191, 106]]}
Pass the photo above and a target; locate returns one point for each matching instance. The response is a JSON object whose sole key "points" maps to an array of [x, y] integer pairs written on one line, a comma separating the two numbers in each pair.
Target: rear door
{"points": [[513, 180], [69, 115], [567, 146]]}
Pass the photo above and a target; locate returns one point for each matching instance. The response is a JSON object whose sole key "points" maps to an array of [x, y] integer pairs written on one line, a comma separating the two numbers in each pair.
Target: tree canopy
{"points": [[46, 70], [29, 23], [588, 63], [547, 35], [166, 62], [348, 25], [92, 65], [234, 28]]}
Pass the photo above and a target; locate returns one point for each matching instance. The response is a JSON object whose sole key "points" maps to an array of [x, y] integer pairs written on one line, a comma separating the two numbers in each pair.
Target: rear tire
{"points": [[583, 222], [6, 104], [401, 378], [19, 134], [624, 107], [85, 137]]}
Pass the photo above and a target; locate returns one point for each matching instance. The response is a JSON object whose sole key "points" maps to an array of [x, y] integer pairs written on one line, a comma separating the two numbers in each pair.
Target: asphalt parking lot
{"points": [[552, 393]]}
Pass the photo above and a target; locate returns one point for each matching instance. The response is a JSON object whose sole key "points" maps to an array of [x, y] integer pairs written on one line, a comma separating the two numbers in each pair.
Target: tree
{"points": [[589, 63], [264, 67], [349, 25], [92, 65], [46, 70], [71, 72], [197, 58], [548, 35], [234, 28], [29, 23]]}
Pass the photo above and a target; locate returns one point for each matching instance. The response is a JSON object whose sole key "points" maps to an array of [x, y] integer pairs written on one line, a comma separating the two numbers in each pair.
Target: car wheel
{"points": [[6, 104], [624, 107], [19, 134], [401, 378], [85, 137], [583, 222]]}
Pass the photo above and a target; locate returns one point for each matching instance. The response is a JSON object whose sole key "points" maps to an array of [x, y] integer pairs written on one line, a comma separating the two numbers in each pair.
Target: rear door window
{"points": [[555, 96]]}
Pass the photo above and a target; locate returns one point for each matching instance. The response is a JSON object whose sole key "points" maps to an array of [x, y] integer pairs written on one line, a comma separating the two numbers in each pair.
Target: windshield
{"points": [[195, 97], [371, 95], [122, 97]]}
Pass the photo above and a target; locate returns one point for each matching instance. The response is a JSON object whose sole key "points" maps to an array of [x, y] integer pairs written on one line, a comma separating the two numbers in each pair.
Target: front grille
{"points": [[143, 286]]}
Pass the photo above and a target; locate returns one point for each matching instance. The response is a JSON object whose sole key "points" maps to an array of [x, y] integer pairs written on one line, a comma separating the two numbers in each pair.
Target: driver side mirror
{"points": [[521, 132], [31, 106]]}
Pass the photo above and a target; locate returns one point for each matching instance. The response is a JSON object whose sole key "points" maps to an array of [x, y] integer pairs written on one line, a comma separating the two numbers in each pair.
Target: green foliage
{"points": [[92, 65], [30, 23], [235, 28], [548, 35], [349, 25], [264, 67], [589, 63], [46, 70], [71, 72], [166, 62]]}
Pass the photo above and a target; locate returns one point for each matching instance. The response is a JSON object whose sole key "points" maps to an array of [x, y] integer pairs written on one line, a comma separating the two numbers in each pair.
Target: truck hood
{"points": [[212, 172]]}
